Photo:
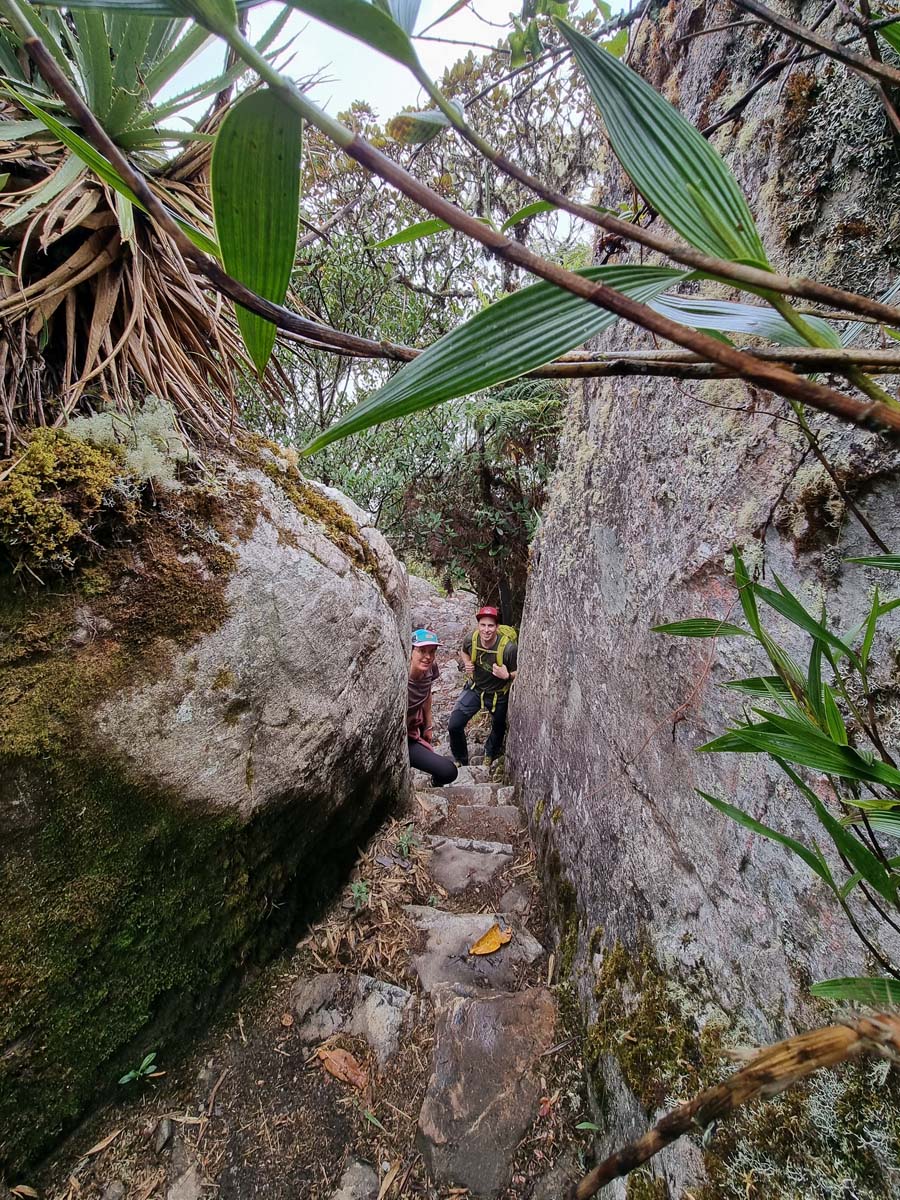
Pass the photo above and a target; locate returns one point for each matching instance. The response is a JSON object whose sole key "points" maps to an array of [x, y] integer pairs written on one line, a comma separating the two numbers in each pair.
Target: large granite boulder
{"points": [[194, 735], [681, 929]]}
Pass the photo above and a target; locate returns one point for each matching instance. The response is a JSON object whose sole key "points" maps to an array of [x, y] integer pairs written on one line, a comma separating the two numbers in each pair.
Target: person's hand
{"points": [[500, 671], [469, 668]]}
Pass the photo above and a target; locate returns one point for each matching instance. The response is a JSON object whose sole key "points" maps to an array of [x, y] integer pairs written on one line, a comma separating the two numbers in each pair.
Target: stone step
{"points": [[432, 807], [445, 960], [469, 793], [380, 1012], [485, 1086], [459, 863], [484, 821]]}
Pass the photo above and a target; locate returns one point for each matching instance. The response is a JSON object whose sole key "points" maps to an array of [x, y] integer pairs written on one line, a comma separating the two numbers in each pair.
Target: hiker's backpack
{"points": [[505, 635]]}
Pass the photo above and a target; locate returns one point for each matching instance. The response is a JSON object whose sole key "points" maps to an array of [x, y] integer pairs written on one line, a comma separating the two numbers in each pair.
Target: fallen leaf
{"points": [[342, 1065], [388, 1180], [22, 1190], [491, 941], [287, 1020], [107, 1141]]}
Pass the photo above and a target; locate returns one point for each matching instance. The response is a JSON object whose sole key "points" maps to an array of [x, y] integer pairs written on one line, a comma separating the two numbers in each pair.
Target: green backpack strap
{"points": [[502, 643]]}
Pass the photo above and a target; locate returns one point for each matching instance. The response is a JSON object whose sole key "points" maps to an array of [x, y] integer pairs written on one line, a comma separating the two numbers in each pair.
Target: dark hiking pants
{"points": [[468, 704], [442, 770]]}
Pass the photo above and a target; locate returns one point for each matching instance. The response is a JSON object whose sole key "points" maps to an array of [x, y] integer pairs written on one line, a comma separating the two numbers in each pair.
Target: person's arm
{"points": [[507, 669], [427, 726], [466, 659]]}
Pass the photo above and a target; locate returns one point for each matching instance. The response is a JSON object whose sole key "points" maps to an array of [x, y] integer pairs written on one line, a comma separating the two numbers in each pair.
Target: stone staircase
{"points": [[461, 1080], [493, 1016]]}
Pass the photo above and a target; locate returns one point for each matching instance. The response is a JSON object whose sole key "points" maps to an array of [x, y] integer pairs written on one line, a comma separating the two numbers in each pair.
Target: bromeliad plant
{"points": [[672, 167], [820, 724], [92, 296]]}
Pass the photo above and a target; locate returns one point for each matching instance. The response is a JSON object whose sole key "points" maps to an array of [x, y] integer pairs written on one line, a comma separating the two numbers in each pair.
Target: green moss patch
{"points": [[125, 922], [641, 1186], [641, 1025], [837, 1129], [332, 518], [55, 501]]}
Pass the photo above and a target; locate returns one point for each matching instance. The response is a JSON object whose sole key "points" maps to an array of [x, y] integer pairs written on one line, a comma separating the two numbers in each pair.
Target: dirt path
{"points": [[383, 1059]]}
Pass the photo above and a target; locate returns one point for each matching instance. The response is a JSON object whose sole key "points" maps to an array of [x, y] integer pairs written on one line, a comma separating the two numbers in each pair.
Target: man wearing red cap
{"points": [[489, 660]]}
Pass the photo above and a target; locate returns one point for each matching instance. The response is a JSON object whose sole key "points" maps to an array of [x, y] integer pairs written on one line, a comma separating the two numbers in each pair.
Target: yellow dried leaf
{"points": [[490, 942], [23, 1190]]}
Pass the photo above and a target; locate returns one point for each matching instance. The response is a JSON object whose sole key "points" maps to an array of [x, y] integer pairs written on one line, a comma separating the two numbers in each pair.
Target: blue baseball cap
{"points": [[424, 637]]}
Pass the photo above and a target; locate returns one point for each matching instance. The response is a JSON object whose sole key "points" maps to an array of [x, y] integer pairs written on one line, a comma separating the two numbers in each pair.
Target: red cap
{"points": [[487, 611]]}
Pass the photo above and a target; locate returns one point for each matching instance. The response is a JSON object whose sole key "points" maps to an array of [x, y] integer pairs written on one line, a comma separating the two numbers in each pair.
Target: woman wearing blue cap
{"points": [[423, 672]]}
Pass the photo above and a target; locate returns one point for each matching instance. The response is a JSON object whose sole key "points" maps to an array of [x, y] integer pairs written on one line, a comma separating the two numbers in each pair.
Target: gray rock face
{"points": [[484, 1087], [445, 959], [296, 695], [458, 863], [355, 1004], [451, 617], [187, 776], [359, 1182], [654, 486]]}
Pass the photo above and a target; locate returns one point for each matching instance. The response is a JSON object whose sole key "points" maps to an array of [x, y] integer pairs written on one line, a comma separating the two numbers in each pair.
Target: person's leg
{"points": [[493, 747], [441, 769], [466, 707]]}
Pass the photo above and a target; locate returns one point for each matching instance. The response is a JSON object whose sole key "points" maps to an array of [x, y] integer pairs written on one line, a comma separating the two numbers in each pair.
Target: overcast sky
{"points": [[355, 71]]}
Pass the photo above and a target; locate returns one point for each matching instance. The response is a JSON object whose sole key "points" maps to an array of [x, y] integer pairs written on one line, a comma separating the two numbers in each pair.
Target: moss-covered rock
{"points": [[195, 728]]}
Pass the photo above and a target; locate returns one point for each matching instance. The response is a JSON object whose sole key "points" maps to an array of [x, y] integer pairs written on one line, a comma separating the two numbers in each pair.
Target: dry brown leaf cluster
{"points": [[90, 315]]}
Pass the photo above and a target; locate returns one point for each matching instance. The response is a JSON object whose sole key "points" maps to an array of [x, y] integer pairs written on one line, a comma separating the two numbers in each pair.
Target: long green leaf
{"points": [[421, 229], [503, 341], [417, 128], [702, 627], [812, 860], [745, 585], [871, 626], [257, 213], [856, 879], [405, 13], [67, 172], [97, 71], [891, 34], [833, 720], [874, 992], [731, 317], [858, 855], [671, 165], [104, 170], [856, 328], [887, 822], [366, 23], [759, 685], [802, 745], [147, 8], [14, 131], [789, 606], [529, 210], [887, 562]]}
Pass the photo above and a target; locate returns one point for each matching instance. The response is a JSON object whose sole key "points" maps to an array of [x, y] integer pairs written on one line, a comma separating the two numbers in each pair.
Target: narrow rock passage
{"points": [[384, 1060]]}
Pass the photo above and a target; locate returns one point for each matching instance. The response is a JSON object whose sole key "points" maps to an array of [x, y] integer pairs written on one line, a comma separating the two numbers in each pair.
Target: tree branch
{"points": [[770, 1071], [771, 376], [859, 62]]}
